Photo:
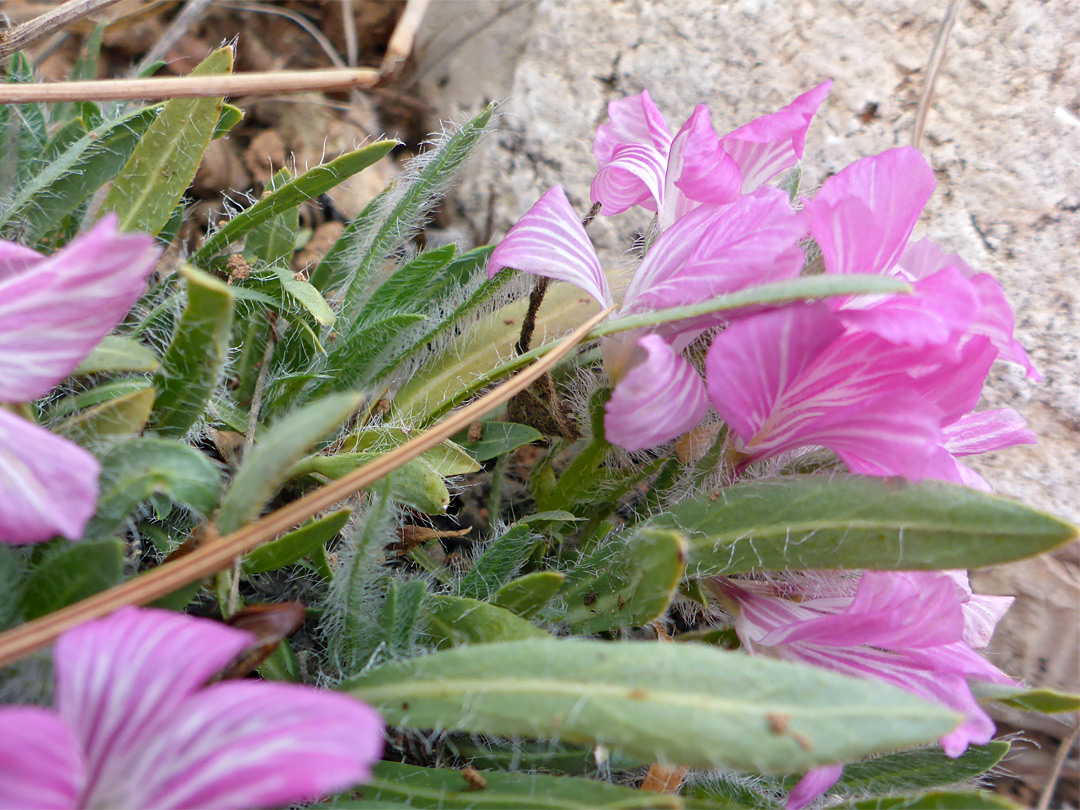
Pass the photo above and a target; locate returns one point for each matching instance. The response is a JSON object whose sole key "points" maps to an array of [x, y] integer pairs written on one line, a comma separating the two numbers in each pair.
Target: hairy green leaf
{"points": [[116, 353], [940, 800], [496, 439], [70, 572], [852, 522], [526, 595], [502, 559], [195, 358], [1044, 701], [122, 416], [454, 621], [671, 703], [298, 543], [167, 157]]}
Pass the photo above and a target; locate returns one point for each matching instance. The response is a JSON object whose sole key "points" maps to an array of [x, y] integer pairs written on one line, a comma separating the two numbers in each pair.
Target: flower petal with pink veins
{"points": [[53, 314], [15, 259], [955, 384], [987, 431], [116, 677], [995, 316], [631, 120], [981, 615], [813, 784], [713, 251], [863, 216], [40, 762], [772, 143], [242, 744], [634, 176], [48, 485], [660, 398], [550, 241], [698, 170]]}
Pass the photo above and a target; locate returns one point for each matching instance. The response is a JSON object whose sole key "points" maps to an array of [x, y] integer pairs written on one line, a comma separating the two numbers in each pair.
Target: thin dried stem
{"points": [[218, 553], [16, 38], [352, 41], [937, 60], [402, 40], [1059, 766], [241, 84], [180, 25]]}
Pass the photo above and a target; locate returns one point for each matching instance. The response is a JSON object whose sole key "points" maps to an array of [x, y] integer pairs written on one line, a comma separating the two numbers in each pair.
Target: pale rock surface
{"points": [[1003, 136]]}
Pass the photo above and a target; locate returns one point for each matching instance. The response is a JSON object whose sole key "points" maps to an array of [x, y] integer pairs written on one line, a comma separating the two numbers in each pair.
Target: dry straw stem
{"points": [[17, 38], [219, 553], [402, 40], [937, 60], [240, 84]]}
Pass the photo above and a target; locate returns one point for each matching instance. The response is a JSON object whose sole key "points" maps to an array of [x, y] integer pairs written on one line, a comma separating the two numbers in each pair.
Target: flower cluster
{"points": [[888, 383], [135, 725], [53, 312]]}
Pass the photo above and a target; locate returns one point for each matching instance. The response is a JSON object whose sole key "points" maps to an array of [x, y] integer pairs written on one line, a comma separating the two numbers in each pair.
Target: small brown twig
{"points": [[937, 60], [18, 37], [182, 22], [219, 553], [1059, 765], [232, 85], [400, 46]]}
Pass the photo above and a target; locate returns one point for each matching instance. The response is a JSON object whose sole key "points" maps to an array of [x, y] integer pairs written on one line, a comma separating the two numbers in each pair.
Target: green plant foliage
{"points": [[526, 595], [116, 353], [135, 471], [266, 467], [940, 800], [454, 621], [287, 196], [399, 618], [68, 572], [195, 358], [12, 566], [497, 439], [398, 785], [298, 543], [625, 583], [167, 157], [123, 416], [807, 522], [500, 562], [674, 703], [1044, 701]]}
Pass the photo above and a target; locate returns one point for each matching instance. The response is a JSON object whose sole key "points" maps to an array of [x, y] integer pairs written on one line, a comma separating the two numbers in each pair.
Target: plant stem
{"points": [[18, 37]]}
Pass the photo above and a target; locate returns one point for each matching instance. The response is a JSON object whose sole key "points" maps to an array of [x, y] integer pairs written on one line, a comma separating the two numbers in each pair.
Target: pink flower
{"points": [[710, 251], [915, 630], [135, 726], [53, 312], [642, 164], [862, 219], [795, 377]]}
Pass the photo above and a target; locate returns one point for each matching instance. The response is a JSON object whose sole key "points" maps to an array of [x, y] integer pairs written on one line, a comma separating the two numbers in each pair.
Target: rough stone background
{"points": [[1003, 136]]}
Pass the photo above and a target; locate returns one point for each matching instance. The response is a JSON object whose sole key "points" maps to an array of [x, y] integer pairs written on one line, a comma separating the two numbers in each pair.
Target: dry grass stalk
{"points": [[217, 554], [937, 60], [18, 37]]}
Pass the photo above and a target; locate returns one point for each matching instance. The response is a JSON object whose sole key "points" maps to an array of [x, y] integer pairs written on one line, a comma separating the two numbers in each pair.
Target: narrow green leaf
{"points": [[83, 167], [230, 116], [626, 583], [134, 471], [526, 595], [1044, 701], [917, 770], [123, 416], [267, 465], [502, 559], [406, 204], [281, 665], [421, 486], [273, 240], [408, 284], [398, 617], [815, 522], [23, 129], [298, 543], [496, 439], [353, 359], [447, 457], [941, 800], [116, 353], [305, 187], [12, 571], [70, 572], [166, 159], [672, 703], [454, 621], [306, 296], [396, 784], [195, 359], [94, 396]]}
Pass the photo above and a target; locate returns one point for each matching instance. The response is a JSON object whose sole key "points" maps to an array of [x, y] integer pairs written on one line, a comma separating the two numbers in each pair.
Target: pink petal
{"points": [[633, 176], [632, 120], [753, 362], [241, 744], [955, 386], [15, 259], [995, 317], [863, 217], [981, 615], [550, 241], [48, 486], [943, 466], [40, 762], [658, 399], [987, 431], [698, 171], [118, 676], [772, 143], [52, 315], [813, 784], [941, 307], [713, 251]]}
